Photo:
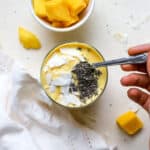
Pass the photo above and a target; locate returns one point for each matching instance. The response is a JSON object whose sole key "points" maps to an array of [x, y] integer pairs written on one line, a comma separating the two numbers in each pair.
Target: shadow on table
{"points": [[86, 116]]}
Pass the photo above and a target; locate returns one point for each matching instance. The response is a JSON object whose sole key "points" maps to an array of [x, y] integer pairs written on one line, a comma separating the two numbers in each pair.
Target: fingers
{"points": [[135, 79], [139, 80], [133, 67], [140, 67], [139, 97], [139, 49], [148, 64]]}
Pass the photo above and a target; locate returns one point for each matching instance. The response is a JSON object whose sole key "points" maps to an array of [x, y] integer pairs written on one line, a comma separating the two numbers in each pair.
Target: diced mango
{"points": [[39, 8], [57, 11], [130, 122], [87, 1], [71, 21], [28, 39], [76, 6], [60, 13], [57, 24]]}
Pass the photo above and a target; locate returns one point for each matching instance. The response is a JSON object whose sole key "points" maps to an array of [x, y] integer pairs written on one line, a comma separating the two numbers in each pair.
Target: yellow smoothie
{"points": [[56, 73]]}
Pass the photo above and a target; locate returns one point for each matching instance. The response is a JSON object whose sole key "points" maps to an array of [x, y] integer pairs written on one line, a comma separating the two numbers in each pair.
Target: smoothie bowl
{"points": [[68, 77]]}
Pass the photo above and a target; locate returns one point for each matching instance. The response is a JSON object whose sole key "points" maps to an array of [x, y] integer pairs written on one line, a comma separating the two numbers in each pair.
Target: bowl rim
{"points": [[56, 29], [65, 106]]}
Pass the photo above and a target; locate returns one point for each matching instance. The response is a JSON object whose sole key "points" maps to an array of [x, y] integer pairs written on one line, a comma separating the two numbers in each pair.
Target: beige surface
{"points": [[110, 17]]}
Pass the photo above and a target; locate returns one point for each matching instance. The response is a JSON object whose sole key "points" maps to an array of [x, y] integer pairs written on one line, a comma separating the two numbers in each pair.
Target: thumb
{"points": [[148, 64]]}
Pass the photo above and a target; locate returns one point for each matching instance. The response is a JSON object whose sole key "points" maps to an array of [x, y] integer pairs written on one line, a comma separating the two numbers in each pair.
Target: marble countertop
{"points": [[114, 26]]}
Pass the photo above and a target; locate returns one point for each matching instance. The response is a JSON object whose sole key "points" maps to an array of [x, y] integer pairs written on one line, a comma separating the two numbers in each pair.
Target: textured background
{"points": [[114, 26]]}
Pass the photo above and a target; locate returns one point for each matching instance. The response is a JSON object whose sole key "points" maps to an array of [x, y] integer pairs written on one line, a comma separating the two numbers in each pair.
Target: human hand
{"points": [[139, 79]]}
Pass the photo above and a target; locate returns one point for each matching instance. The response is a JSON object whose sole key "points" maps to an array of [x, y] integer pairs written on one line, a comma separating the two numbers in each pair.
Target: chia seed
{"points": [[79, 48], [87, 80], [73, 88]]}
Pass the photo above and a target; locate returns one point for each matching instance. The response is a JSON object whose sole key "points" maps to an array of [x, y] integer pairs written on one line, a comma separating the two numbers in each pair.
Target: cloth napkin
{"points": [[30, 121]]}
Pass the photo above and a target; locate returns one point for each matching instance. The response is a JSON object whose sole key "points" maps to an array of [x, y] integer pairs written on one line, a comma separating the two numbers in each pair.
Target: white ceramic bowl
{"points": [[83, 18]]}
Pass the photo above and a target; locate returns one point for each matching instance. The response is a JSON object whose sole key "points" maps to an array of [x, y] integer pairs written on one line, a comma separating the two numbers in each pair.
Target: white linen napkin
{"points": [[30, 121]]}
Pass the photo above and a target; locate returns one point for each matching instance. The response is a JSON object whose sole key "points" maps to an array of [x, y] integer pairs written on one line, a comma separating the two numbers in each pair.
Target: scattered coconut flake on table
{"points": [[72, 52], [57, 60], [70, 99], [140, 22], [121, 37], [63, 80], [135, 22]]}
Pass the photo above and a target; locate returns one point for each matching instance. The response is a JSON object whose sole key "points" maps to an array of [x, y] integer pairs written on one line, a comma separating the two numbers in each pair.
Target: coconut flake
{"points": [[63, 80], [72, 52], [48, 78], [57, 60], [52, 88], [70, 99], [121, 37], [65, 89], [76, 93]]}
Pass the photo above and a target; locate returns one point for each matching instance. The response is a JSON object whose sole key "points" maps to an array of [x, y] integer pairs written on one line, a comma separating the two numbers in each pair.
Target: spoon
{"points": [[137, 59]]}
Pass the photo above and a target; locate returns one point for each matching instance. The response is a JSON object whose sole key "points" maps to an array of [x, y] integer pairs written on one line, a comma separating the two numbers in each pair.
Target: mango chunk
{"points": [[87, 1], [39, 8], [130, 122], [57, 11], [71, 21], [28, 39], [76, 6], [57, 24]]}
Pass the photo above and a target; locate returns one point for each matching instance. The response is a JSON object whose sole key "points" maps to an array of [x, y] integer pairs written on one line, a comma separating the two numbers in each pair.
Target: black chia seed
{"points": [[79, 48], [87, 80], [73, 88]]}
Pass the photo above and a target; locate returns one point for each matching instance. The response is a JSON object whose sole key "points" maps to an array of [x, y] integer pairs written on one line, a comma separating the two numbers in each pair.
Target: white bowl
{"points": [[83, 18]]}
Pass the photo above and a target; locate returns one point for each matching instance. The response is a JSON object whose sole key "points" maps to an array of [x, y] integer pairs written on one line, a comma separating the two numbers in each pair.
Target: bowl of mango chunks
{"points": [[61, 15]]}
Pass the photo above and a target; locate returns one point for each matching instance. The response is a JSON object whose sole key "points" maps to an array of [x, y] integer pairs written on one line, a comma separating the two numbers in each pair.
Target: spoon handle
{"points": [[137, 59]]}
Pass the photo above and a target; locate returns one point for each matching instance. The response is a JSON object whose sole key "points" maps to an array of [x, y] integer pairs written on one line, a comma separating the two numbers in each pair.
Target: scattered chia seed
{"points": [[87, 80]]}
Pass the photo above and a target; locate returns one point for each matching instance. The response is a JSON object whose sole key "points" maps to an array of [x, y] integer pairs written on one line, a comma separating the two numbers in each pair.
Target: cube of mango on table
{"points": [[39, 8], [130, 122], [28, 39]]}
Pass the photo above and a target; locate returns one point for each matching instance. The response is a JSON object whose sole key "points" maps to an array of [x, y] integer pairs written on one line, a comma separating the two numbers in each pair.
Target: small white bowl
{"points": [[83, 18]]}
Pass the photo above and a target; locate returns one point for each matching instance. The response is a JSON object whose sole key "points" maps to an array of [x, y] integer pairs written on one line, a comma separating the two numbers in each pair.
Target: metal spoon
{"points": [[137, 59]]}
